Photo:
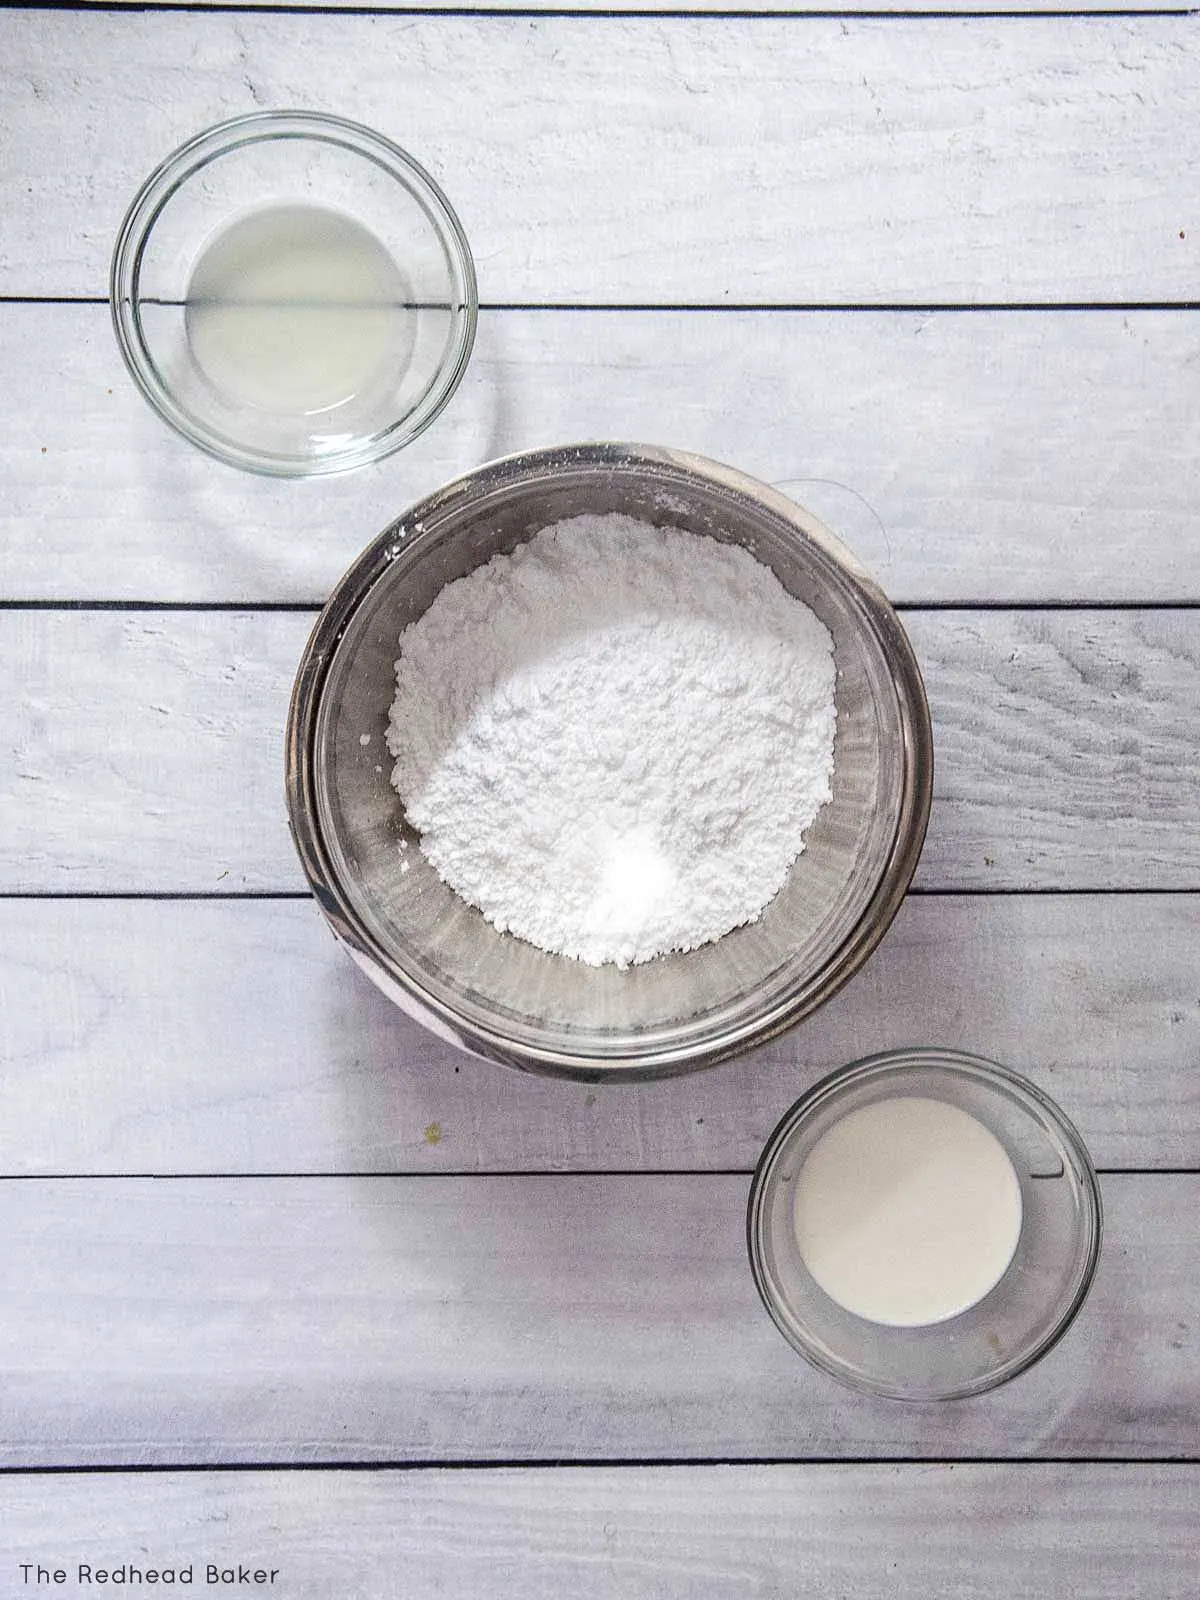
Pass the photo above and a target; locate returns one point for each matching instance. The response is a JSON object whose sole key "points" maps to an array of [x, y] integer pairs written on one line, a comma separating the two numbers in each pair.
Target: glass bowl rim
{"points": [[953, 1062], [183, 163]]}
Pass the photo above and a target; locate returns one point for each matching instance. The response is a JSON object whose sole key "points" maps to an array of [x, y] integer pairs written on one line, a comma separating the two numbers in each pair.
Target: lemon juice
{"points": [[298, 310]]}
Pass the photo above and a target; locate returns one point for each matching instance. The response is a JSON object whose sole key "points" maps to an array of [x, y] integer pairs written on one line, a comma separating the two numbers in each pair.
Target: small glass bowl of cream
{"points": [[294, 294], [924, 1224]]}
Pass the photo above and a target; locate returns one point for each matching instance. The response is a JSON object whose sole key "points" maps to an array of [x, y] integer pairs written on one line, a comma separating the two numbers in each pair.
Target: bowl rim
{"points": [[491, 1041], [953, 1063], [183, 163]]}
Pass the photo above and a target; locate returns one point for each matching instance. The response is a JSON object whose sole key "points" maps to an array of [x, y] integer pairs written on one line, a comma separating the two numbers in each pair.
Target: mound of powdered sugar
{"points": [[613, 740]]}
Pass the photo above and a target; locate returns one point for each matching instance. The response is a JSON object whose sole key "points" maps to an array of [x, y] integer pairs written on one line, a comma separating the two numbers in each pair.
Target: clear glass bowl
{"points": [[496, 995], [1030, 1307], [295, 159]]}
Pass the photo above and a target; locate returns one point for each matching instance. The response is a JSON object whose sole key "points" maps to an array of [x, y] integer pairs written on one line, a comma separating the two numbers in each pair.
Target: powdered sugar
{"points": [[614, 740]]}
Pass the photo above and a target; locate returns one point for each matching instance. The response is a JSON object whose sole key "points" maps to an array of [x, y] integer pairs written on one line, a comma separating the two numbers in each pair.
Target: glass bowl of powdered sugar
{"points": [[608, 761]]}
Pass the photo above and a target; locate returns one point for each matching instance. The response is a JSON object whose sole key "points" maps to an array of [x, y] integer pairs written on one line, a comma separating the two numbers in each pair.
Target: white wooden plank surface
{"points": [[234, 1036], [625, 160], [984, 457], [147, 737], [510, 1319], [1058, 747], [1004, 456], [785, 7], [147, 749], [696, 1533]]}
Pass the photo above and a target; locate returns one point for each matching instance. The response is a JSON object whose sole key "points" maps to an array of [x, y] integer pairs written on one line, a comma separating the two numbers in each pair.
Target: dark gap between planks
{"points": [[897, 14], [584, 1464], [563, 1174], [312, 607], [701, 307]]}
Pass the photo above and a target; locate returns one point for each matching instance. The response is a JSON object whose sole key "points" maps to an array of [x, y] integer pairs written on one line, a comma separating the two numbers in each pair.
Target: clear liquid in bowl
{"points": [[298, 310]]}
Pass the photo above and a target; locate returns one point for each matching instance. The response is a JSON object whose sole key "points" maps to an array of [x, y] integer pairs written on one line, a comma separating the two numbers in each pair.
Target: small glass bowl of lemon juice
{"points": [[294, 294]]}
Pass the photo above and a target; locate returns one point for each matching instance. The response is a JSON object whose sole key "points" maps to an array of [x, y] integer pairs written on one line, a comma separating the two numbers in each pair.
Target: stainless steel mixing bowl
{"points": [[495, 995]]}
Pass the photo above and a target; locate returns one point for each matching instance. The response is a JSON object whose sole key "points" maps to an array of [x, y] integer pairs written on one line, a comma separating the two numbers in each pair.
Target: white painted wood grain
{"points": [[785, 7], [144, 737], [235, 1037], [706, 1533], [512, 1319], [147, 749], [1004, 456], [624, 160], [1059, 758]]}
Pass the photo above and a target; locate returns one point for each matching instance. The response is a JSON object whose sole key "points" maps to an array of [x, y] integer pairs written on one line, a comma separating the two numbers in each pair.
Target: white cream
{"points": [[907, 1211]]}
